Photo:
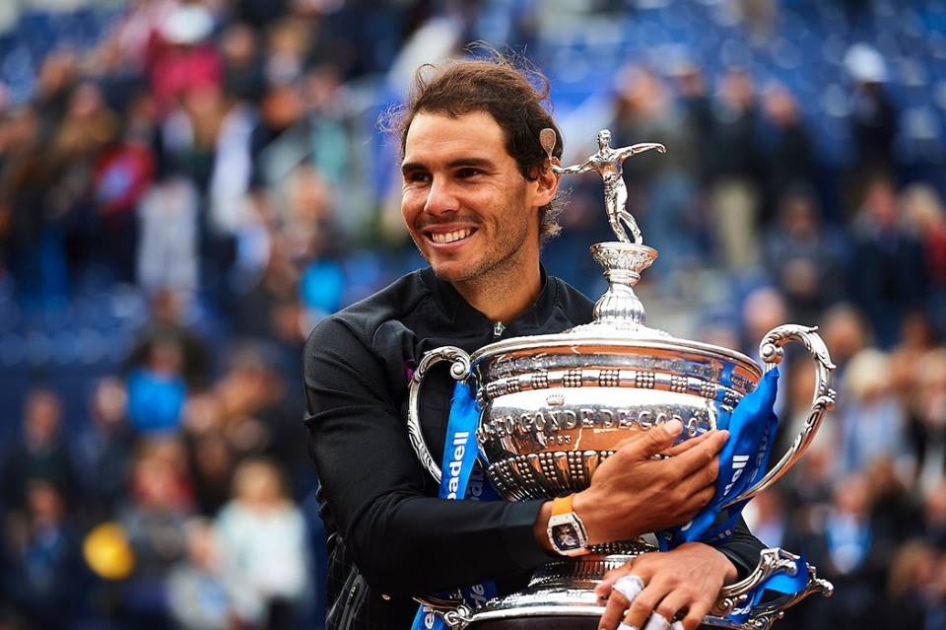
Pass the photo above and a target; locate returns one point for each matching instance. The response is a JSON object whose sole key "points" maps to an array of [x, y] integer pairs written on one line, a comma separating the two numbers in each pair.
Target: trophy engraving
{"points": [[554, 406]]}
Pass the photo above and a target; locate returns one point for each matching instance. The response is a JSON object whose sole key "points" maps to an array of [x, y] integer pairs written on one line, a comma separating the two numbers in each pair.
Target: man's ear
{"points": [[547, 182]]}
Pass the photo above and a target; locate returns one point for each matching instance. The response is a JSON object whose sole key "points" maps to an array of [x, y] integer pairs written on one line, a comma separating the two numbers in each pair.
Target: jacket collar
{"points": [[461, 315]]}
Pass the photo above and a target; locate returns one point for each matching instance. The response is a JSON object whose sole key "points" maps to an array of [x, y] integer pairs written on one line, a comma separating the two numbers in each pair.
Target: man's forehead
{"points": [[473, 117], [476, 132]]}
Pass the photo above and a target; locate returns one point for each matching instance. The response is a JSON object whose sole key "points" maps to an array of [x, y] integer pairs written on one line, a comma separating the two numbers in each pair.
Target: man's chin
{"points": [[450, 272]]}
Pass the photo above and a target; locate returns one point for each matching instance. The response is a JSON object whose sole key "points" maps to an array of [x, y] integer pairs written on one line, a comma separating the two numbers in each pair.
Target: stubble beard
{"points": [[498, 266]]}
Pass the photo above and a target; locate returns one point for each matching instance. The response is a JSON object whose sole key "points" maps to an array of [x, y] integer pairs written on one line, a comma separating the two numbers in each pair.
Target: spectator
{"points": [[157, 390], [734, 179], [167, 256], [927, 420], [871, 420], [916, 340], [181, 57], [911, 584], [33, 234], [46, 580], [103, 450], [788, 154], [846, 331], [243, 76], [154, 522], [663, 190], [806, 259], [169, 312], [263, 546], [41, 453], [888, 274], [873, 116], [842, 548], [924, 213], [196, 593]]}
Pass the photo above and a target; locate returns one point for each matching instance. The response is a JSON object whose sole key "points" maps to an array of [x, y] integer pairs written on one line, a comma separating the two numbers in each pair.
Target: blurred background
{"points": [[187, 187]]}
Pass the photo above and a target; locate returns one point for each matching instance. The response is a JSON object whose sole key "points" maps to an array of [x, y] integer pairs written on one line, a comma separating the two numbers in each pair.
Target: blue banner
{"points": [[782, 583], [742, 462], [461, 479]]}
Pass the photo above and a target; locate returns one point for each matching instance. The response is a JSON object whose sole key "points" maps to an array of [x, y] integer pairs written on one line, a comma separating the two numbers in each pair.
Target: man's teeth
{"points": [[450, 237]]}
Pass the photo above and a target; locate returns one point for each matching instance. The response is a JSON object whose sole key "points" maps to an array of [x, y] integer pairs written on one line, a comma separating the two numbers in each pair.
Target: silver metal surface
{"points": [[608, 163], [565, 588]]}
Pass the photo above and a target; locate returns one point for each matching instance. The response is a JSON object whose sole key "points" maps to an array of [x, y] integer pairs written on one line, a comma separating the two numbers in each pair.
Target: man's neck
{"points": [[503, 299]]}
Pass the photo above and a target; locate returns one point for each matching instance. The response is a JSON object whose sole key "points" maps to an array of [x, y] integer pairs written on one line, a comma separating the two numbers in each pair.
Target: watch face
{"points": [[565, 537], [567, 534]]}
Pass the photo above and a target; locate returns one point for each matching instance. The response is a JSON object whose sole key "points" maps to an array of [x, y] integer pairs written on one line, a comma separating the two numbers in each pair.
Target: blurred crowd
{"points": [[218, 160]]}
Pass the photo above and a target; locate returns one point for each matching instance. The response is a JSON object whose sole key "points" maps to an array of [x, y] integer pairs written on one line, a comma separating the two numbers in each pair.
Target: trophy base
{"points": [[561, 596], [546, 622], [562, 623]]}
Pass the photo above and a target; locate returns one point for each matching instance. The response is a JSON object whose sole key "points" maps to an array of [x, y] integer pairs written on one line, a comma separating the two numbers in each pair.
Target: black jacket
{"points": [[389, 536]]}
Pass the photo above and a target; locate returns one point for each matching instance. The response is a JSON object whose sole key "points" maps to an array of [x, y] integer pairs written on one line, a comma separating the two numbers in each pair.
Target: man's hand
{"points": [[683, 583], [633, 492]]}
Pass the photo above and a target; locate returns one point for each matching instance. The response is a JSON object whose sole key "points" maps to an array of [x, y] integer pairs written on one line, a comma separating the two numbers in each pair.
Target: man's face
{"points": [[467, 206]]}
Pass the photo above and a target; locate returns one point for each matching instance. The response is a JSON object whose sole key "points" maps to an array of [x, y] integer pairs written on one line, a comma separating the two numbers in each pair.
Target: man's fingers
{"points": [[657, 440], [687, 444], [674, 603], [694, 617], [623, 592], [643, 605], [603, 588], [701, 455]]}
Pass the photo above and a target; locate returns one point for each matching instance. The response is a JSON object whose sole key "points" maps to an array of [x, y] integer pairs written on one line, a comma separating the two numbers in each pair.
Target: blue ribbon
{"points": [[782, 582], [461, 479], [742, 462]]}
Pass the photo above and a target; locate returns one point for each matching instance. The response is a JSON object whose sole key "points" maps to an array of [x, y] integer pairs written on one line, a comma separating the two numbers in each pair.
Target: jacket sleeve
{"points": [[402, 541], [742, 548]]}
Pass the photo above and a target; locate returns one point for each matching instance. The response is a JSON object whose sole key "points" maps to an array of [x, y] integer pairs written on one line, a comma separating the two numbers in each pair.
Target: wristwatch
{"points": [[566, 531]]}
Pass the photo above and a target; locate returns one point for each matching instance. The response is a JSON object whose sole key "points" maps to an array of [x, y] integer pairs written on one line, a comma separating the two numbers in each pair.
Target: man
{"points": [[478, 198]]}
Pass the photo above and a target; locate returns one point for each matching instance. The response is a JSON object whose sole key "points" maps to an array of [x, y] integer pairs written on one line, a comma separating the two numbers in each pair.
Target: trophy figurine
{"points": [[553, 407]]}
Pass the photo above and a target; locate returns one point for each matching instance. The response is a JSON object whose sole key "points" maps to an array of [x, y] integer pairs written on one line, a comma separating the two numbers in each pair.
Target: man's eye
{"points": [[416, 177], [468, 171]]}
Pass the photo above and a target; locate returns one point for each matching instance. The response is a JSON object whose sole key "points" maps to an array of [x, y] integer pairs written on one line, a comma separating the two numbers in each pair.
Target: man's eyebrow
{"points": [[409, 167]]}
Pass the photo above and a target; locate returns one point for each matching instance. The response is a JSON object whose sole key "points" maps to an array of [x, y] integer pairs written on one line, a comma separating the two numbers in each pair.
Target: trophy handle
{"points": [[823, 399], [455, 614], [459, 370], [772, 561]]}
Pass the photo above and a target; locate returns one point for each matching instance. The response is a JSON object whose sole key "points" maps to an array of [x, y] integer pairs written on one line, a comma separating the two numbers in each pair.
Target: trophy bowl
{"points": [[555, 406]]}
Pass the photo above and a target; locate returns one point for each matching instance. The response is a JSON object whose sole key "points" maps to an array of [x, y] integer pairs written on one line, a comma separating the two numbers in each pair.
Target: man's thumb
{"points": [[660, 438]]}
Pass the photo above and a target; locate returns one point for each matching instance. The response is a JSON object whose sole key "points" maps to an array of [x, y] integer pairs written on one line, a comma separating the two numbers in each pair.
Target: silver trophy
{"points": [[555, 406]]}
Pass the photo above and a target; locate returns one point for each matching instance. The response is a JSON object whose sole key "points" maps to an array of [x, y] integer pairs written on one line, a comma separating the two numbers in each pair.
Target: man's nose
{"points": [[441, 197]]}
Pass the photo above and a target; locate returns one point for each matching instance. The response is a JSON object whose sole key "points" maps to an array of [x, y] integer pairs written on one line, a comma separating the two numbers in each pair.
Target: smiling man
{"points": [[479, 197]]}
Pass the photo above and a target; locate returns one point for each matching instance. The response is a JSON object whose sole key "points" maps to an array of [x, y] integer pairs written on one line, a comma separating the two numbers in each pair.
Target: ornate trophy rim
{"points": [[619, 339], [569, 339]]}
